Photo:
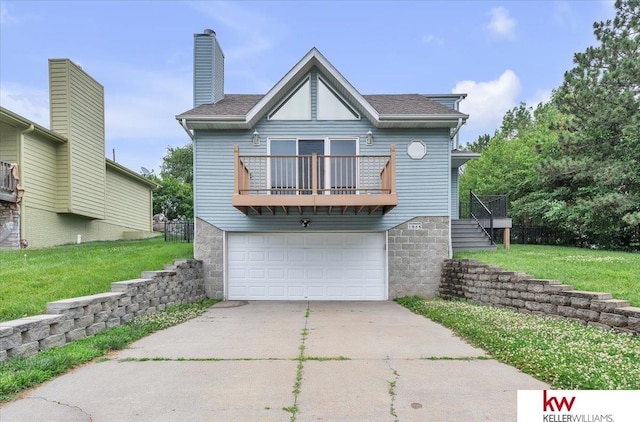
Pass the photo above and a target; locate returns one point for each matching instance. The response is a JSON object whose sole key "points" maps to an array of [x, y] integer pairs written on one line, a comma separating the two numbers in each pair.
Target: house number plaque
{"points": [[414, 226]]}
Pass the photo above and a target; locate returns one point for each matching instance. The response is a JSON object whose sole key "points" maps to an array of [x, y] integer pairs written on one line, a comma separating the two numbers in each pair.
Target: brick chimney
{"points": [[208, 69]]}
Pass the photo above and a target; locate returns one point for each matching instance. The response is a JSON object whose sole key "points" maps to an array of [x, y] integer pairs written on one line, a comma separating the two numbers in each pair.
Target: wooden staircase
{"points": [[466, 235]]}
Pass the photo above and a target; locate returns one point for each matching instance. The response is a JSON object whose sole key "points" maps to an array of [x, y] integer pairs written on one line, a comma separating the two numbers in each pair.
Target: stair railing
{"points": [[483, 215]]}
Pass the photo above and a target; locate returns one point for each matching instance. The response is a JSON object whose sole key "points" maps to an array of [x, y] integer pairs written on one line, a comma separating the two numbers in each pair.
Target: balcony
{"points": [[314, 183], [8, 183]]}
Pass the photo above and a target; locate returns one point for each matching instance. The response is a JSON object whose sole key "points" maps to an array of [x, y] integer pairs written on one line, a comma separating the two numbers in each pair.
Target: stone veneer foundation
{"points": [[417, 249], [208, 248]]}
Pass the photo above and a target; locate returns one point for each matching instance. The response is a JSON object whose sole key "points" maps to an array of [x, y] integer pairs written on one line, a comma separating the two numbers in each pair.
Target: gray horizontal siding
{"points": [[422, 185]]}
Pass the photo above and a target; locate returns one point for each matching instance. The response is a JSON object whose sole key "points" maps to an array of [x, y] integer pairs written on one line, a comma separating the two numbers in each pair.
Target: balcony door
{"points": [[291, 166]]}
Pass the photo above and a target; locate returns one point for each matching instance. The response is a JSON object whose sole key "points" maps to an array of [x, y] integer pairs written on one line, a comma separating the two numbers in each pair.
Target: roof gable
{"points": [[244, 111]]}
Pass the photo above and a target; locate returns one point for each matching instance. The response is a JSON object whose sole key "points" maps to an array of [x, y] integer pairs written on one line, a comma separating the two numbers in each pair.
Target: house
{"points": [[314, 191], [56, 186]]}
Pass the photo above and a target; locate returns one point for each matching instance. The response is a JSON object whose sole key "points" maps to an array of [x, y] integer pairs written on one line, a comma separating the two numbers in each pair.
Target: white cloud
{"points": [[501, 25], [30, 103], [255, 31], [432, 39], [5, 17], [563, 14], [540, 96], [487, 102]]}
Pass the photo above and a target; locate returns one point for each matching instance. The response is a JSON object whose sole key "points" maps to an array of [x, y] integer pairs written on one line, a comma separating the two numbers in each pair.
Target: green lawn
{"points": [[564, 354], [30, 278], [617, 273]]}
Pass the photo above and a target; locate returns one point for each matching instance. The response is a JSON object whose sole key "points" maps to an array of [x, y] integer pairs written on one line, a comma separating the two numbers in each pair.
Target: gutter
{"points": [[454, 135], [183, 123]]}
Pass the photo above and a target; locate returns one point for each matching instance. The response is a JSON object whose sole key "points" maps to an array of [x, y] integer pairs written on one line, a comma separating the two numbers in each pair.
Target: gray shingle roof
{"points": [[407, 104], [230, 105], [386, 104]]}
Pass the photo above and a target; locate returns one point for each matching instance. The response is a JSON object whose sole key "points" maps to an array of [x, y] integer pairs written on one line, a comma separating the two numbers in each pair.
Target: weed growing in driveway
{"points": [[22, 373], [565, 354], [392, 393], [300, 358]]}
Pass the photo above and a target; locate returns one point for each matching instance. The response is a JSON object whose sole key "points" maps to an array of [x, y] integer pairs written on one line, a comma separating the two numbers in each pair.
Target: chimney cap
{"points": [[209, 32]]}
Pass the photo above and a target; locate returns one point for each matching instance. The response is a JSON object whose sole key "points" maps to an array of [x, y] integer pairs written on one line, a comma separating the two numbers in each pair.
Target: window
{"points": [[297, 106], [331, 106]]}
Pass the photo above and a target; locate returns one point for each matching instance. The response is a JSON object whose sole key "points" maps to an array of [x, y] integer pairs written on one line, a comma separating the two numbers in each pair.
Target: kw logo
{"points": [[548, 403]]}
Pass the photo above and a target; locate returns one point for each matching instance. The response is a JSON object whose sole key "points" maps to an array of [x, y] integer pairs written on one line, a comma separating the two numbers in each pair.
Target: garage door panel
{"points": [[310, 266]]}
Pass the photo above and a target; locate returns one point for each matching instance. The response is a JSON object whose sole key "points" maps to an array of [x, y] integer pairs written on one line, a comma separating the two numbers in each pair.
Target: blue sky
{"points": [[499, 53]]}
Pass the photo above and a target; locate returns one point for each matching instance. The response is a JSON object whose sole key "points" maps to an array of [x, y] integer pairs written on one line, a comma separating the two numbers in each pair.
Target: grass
{"points": [[564, 354], [30, 278], [19, 374], [617, 273]]}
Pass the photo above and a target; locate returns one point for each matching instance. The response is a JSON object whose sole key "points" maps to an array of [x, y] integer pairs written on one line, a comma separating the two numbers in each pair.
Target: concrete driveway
{"points": [[321, 361]]}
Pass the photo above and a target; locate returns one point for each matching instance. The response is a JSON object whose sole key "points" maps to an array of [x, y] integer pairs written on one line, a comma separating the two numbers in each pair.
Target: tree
{"points": [[479, 144], [178, 163], [174, 197], [593, 184], [510, 162]]}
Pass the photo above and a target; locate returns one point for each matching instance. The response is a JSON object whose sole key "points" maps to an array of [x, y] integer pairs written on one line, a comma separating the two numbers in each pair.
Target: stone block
{"points": [[588, 314], [542, 297], [5, 331], [591, 295], [134, 307], [76, 334], [629, 311], [3, 355], [549, 308], [102, 316], [567, 311], [608, 305], [532, 306], [24, 350], [580, 302], [126, 318], [560, 300], [35, 333], [10, 341], [56, 340], [113, 322], [84, 321], [62, 327], [613, 320], [518, 303], [128, 285], [96, 328], [633, 323]]}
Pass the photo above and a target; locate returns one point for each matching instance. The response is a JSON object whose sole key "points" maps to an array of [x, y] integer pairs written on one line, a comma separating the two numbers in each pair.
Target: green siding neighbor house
{"points": [[314, 191], [69, 189]]}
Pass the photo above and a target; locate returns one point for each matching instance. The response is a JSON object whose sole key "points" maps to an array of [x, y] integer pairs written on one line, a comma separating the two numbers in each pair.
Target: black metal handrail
{"points": [[497, 204], [482, 214]]}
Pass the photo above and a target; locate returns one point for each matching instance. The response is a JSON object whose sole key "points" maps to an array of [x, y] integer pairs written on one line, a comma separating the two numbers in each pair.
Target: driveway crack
{"points": [[293, 409], [90, 418], [392, 391]]}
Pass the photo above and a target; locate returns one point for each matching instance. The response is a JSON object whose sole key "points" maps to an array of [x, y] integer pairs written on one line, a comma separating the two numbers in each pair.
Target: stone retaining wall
{"points": [[70, 319], [472, 280]]}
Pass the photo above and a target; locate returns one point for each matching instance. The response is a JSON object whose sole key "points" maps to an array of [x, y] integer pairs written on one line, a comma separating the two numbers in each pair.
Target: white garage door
{"points": [[315, 266]]}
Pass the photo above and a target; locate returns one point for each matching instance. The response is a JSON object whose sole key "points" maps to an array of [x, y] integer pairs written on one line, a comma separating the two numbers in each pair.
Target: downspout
{"points": [[30, 129], [183, 123], [454, 135]]}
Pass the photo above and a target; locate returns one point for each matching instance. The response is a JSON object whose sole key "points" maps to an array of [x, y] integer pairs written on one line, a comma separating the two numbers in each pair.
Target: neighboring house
{"points": [[70, 192], [314, 191]]}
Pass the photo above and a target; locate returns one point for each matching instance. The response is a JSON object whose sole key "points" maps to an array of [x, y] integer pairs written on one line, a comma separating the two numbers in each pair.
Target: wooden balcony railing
{"points": [[331, 182], [8, 183]]}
